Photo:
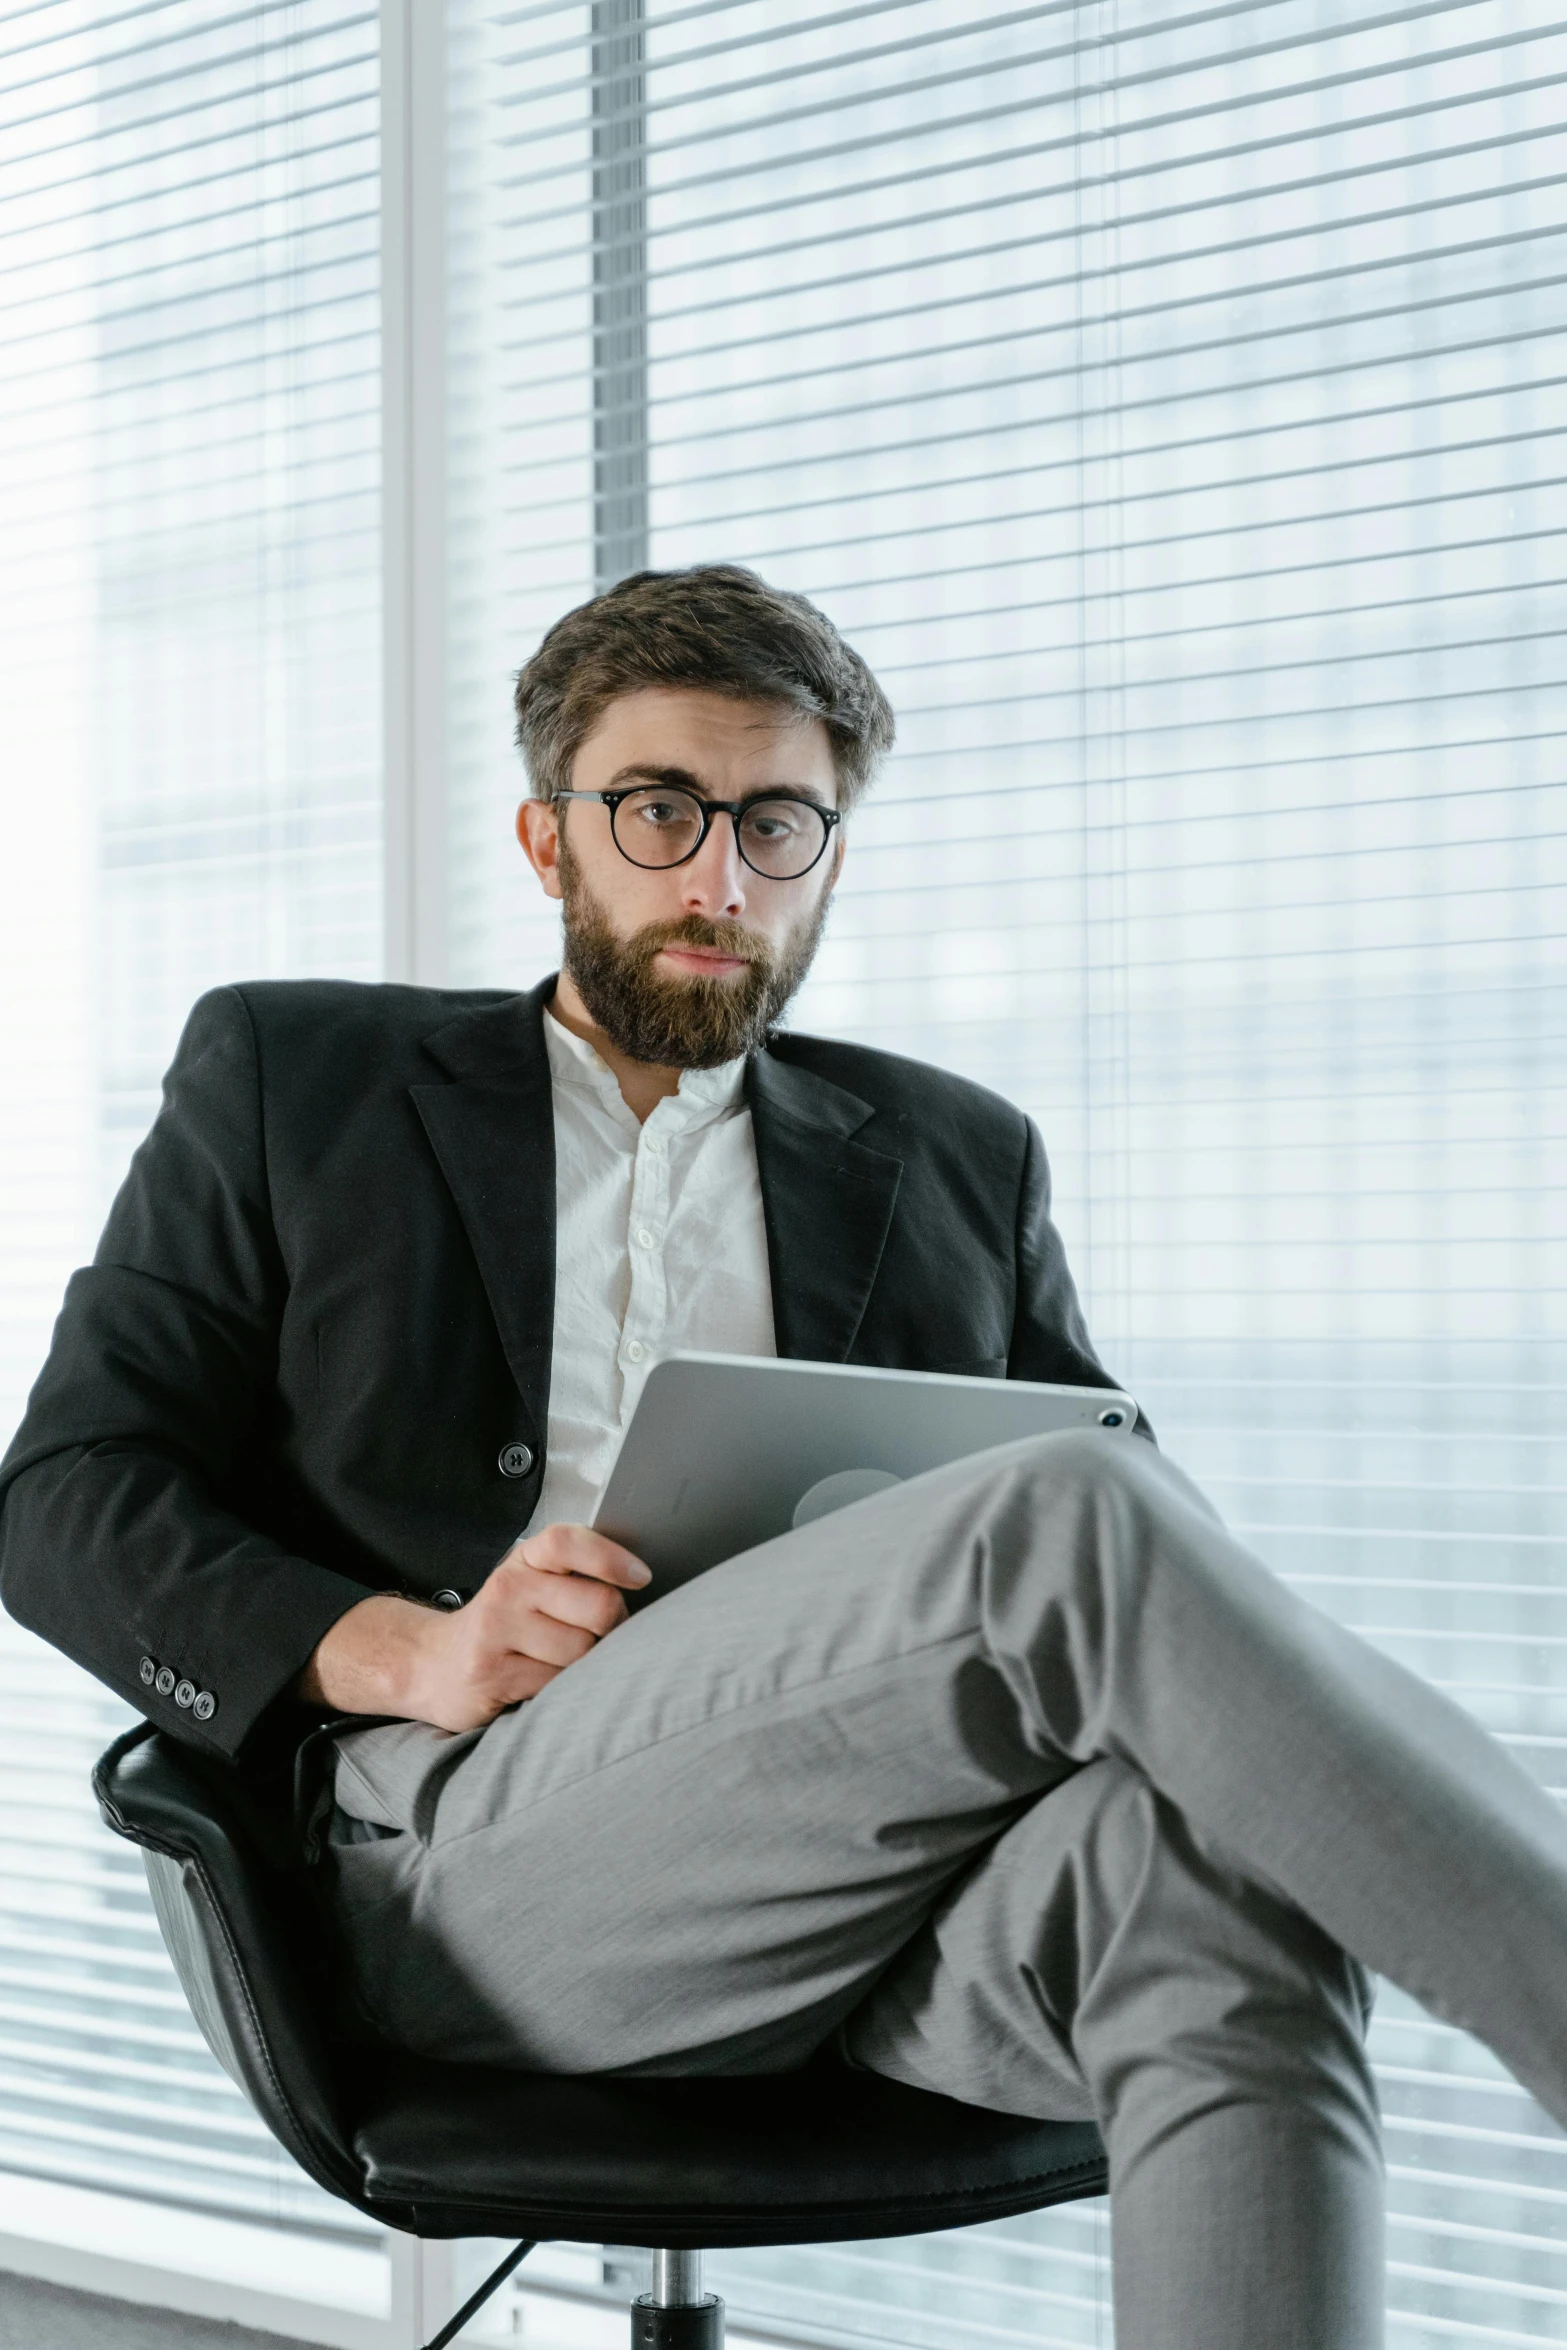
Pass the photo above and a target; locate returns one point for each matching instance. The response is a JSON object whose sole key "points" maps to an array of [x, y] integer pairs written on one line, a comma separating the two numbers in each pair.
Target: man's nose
{"points": [[714, 881]]}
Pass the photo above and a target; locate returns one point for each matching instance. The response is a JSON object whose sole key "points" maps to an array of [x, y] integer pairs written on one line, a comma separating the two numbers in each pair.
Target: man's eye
{"points": [[663, 812], [775, 823]]}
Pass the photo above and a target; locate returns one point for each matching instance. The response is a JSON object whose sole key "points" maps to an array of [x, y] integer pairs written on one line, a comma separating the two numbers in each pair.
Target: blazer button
{"points": [[515, 1460], [447, 1600], [163, 1681], [206, 1705], [149, 1672], [185, 1696]]}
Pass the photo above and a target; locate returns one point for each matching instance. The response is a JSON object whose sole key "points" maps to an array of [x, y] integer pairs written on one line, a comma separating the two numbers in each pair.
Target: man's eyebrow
{"points": [[681, 779], [675, 778]]}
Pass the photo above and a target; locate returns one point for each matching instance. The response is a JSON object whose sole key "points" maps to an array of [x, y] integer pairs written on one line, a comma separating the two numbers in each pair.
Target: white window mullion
{"points": [[414, 434]]}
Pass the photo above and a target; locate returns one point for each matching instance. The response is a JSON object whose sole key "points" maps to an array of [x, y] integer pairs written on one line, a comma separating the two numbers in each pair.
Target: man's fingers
{"points": [[519, 1590], [551, 1642], [552, 1598], [513, 1681], [572, 1599], [557, 1617], [578, 1550]]}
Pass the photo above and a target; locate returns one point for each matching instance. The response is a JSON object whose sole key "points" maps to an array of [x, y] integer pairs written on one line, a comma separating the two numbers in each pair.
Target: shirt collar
{"points": [[705, 1094]]}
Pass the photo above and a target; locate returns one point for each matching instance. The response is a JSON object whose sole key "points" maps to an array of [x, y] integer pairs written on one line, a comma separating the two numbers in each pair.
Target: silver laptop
{"points": [[726, 1451]]}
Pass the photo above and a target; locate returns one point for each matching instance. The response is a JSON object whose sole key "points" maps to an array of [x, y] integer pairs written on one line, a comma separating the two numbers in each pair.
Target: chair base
{"points": [[696, 2326]]}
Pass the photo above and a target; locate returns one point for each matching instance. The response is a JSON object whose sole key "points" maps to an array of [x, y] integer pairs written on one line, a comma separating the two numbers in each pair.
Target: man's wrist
{"points": [[374, 1659]]}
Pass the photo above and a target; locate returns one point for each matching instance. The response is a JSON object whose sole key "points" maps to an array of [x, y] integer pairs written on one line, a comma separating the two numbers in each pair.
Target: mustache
{"points": [[695, 930]]}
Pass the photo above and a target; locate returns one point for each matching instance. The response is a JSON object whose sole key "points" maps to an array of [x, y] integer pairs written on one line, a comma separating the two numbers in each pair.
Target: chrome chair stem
{"points": [[677, 2314], [677, 2280]]}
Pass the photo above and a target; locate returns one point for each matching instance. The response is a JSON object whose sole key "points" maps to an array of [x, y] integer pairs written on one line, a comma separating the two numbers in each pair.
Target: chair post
{"points": [[677, 2314]]}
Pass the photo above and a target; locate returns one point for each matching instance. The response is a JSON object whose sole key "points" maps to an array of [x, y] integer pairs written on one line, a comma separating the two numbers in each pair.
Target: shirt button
{"points": [[515, 1460], [206, 1705], [655, 1144], [185, 1695], [163, 1681], [644, 1238], [635, 1350], [149, 1672]]}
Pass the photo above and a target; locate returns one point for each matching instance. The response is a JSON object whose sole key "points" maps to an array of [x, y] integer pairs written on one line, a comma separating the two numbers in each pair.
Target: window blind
{"points": [[189, 703], [1167, 403]]}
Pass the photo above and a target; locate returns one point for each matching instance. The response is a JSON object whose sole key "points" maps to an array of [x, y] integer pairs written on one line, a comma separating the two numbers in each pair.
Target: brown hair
{"points": [[716, 626]]}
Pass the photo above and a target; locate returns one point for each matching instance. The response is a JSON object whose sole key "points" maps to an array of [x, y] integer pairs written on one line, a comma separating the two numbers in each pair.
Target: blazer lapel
{"points": [[827, 1201], [493, 1134]]}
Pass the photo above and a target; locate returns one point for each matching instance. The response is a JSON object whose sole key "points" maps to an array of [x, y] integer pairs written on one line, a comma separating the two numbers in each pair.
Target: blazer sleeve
{"points": [[1050, 1338], [124, 1535]]}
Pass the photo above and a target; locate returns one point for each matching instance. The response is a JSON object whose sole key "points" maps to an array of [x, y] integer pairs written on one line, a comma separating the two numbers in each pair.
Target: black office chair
{"points": [[439, 2150]]}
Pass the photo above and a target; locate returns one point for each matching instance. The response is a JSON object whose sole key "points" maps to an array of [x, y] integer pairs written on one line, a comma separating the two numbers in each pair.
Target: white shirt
{"points": [[659, 1245]]}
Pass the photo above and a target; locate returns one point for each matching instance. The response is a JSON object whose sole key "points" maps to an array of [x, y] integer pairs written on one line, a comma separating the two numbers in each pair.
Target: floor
{"points": [[48, 2317]]}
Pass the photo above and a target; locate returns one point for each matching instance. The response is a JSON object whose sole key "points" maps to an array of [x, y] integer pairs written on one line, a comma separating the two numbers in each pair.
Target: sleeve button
{"points": [[185, 1695], [164, 1681], [515, 1460], [206, 1705], [149, 1672]]}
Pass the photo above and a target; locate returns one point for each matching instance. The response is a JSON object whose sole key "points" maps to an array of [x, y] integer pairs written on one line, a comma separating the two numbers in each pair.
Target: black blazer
{"points": [[319, 1320]]}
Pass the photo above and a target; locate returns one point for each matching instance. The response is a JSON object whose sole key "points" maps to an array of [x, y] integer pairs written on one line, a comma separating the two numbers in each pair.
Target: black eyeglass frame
{"points": [[733, 809]]}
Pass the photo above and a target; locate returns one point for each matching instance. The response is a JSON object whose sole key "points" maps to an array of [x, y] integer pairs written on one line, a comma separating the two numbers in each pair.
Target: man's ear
{"points": [[538, 829]]}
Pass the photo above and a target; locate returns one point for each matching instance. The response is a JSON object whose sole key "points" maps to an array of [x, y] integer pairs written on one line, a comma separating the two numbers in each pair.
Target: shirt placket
{"points": [[647, 1305]]}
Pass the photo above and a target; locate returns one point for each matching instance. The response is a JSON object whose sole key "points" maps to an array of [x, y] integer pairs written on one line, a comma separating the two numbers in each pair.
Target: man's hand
{"points": [[552, 1598]]}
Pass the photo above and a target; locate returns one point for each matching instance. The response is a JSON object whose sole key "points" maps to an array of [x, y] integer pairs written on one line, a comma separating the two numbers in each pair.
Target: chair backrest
{"points": [[246, 1942]]}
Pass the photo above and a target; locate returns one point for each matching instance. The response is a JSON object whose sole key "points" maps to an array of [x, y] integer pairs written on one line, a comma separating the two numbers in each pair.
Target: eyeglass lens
{"points": [[781, 838]]}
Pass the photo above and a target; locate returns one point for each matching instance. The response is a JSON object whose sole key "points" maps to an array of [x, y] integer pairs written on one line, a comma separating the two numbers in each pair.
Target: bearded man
{"points": [[1023, 1782]]}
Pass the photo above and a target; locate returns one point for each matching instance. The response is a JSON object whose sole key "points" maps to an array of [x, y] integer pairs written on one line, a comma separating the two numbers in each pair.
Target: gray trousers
{"points": [[1035, 1786]]}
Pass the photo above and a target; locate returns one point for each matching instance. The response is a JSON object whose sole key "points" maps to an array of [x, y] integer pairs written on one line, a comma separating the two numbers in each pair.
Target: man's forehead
{"points": [[686, 734]]}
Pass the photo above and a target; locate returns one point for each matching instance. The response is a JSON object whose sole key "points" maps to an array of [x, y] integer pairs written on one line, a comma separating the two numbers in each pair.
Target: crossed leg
{"points": [[1034, 1782], [1099, 1960]]}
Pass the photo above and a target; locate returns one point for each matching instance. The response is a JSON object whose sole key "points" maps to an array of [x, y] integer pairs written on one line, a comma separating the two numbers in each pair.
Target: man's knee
{"points": [[1103, 1509], [1112, 1461]]}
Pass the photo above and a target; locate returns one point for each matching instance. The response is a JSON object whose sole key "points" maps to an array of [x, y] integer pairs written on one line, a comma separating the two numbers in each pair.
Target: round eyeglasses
{"points": [[655, 825]]}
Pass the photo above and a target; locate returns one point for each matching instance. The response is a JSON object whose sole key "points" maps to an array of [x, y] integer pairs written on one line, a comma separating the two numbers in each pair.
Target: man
{"points": [[1024, 1780]]}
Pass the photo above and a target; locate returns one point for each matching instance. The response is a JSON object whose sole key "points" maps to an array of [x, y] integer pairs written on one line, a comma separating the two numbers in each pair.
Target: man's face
{"points": [[687, 965]]}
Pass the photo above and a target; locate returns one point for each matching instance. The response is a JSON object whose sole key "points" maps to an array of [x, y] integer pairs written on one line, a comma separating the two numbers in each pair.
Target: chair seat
{"points": [[818, 2156]]}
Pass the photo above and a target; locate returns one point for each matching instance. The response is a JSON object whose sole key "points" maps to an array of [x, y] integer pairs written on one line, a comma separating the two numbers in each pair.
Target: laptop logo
{"points": [[836, 1493]]}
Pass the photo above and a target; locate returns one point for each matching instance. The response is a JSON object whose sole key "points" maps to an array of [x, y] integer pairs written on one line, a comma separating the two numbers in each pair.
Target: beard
{"points": [[680, 1023]]}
